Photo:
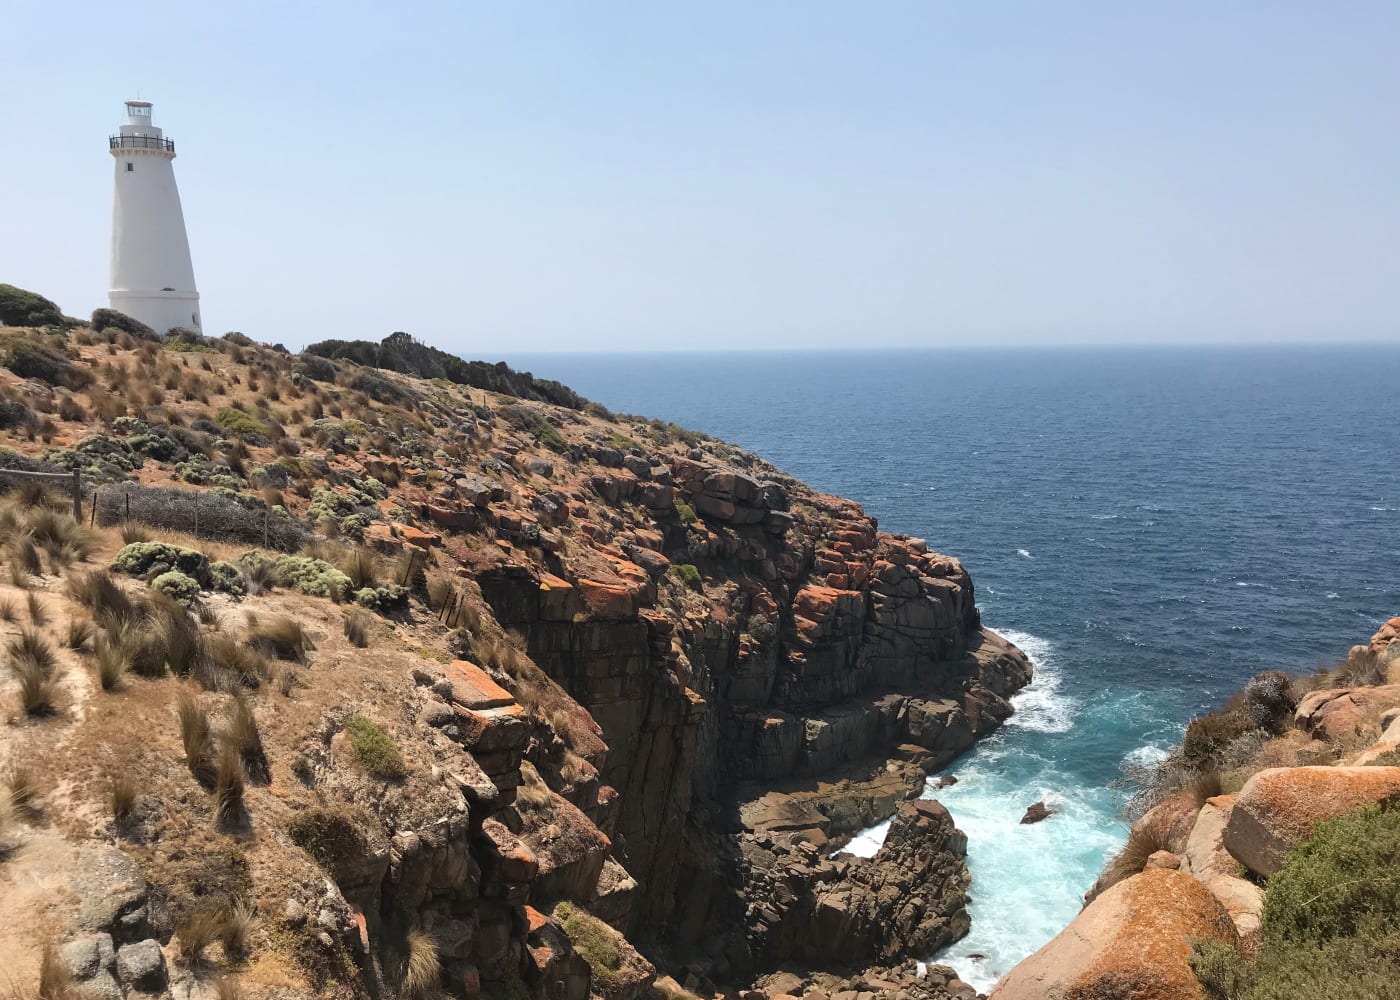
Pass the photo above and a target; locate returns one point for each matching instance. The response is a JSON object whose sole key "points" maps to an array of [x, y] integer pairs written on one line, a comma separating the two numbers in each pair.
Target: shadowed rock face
{"points": [[909, 899]]}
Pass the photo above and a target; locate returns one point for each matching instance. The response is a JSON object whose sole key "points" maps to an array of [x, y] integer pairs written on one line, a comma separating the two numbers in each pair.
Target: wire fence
{"points": [[228, 517]]}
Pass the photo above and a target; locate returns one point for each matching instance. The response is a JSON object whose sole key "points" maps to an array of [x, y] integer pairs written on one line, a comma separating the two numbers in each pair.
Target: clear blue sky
{"points": [[496, 178]]}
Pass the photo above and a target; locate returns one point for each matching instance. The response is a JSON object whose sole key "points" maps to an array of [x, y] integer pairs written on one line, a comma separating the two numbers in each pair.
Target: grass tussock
{"points": [[361, 564], [229, 663], [236, 932], [423, 968], [1145, 839], [34, 664], [197, 931], [229, 788], [358, 624], [195, 734], [80, 634], [7, 610], [533, 795], [241, 732], [280, 637], [123, 796], [114, 658], [38, 613]]}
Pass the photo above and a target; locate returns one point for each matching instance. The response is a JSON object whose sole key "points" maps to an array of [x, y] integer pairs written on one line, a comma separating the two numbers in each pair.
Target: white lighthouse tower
{"points": [[152, 277]]}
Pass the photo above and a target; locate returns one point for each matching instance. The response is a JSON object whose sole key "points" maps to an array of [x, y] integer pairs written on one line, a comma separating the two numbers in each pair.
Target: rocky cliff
{"points": [[517, 696]]}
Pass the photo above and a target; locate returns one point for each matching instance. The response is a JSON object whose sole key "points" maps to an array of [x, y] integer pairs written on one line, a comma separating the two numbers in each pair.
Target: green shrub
{"points": [[1331, 922], [227, 577], [32, 359], [595, 941], [19, 307], [153, 559], [177, 586], [687, 574], [374, 749], [307, 574], [239, 424], [687, 513], [105, 319], [1208, 735]]}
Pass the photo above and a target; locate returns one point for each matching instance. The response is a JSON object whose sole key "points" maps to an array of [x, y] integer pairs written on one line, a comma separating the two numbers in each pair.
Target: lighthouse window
{"points": [[130, 167]]}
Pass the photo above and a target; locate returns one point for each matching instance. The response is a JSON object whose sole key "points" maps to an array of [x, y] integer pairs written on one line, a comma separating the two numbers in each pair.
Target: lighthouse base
{"points": [[161, 311]]}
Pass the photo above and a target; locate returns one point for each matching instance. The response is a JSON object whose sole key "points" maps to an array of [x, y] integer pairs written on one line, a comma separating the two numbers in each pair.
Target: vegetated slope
{"points": [[352, 678]]}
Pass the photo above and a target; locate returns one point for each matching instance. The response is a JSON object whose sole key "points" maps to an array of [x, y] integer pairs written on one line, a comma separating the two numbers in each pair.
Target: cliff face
{"points": [[643, 682]]}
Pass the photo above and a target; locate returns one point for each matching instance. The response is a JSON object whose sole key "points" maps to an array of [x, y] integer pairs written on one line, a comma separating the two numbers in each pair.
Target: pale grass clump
{"points": [[423, 970]]}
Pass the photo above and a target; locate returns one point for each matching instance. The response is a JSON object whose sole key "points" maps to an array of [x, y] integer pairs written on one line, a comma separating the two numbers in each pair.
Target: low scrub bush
{"points": [[374, 749], [688, 575], [240, 425], [21, 307], [177, 586], [34, 360], [1331, 921], [153, 559]]}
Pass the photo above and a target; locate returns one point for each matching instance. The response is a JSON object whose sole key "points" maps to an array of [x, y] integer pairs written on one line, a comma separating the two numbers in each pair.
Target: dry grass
{"points": [[55, 981], [133, 531], [279, 636], [103, 597], [114, 656], [533, 795], [229, 787], [194, 733], [229, 663], [361, 564], [123, 795], [38, 614], [198, 931], [357, 627], [227, 988], [34, 663], [241, 732], [423, 970], [1144, 840], [80, 634], [238, 925], [7, 610], [574, 768], [440, 589], [20, 791]]}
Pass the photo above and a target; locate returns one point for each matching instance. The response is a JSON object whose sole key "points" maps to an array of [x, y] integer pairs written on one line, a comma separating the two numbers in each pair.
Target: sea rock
{"points": [[1037, 812], [1277, 809], [1131, 943]]}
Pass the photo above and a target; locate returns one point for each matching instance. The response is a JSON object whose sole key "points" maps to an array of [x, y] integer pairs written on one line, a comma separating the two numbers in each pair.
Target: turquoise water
{"points": [[1152, 525]]}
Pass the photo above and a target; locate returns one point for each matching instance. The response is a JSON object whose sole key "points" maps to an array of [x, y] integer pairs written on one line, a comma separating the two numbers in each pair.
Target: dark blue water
{"points": [[1153, 525]]}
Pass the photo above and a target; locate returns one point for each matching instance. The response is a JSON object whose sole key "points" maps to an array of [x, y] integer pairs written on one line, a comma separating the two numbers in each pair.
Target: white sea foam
{"points": [[1024, 554], [1146, 756], [1040, 705], [868, 841], [1332, 595]]}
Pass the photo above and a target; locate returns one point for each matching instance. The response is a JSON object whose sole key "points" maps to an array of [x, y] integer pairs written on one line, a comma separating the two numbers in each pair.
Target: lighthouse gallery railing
{"points": [[140, 142]]}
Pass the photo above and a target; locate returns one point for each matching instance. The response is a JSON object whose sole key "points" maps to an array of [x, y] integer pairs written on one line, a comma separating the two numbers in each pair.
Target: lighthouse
{"points": [[152, 277]]}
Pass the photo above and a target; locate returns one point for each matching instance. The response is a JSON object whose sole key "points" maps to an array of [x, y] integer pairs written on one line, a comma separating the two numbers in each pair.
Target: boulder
{"points": [[1131, 943], [141, 966], [1037, 812], [1278, 808]]}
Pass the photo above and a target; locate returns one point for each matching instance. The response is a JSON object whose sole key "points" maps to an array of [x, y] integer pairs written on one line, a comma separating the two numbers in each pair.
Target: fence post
{"points": [[93, 521], [78, 495], [128, 505]]}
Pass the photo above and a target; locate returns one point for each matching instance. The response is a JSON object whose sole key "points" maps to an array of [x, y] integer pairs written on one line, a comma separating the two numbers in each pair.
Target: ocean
{"points": [[1152, 525]]}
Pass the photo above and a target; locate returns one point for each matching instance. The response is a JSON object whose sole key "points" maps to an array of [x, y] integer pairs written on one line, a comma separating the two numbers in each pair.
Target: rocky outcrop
{"points": [[909, 899], [1278, 809], [1131, 943]]}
